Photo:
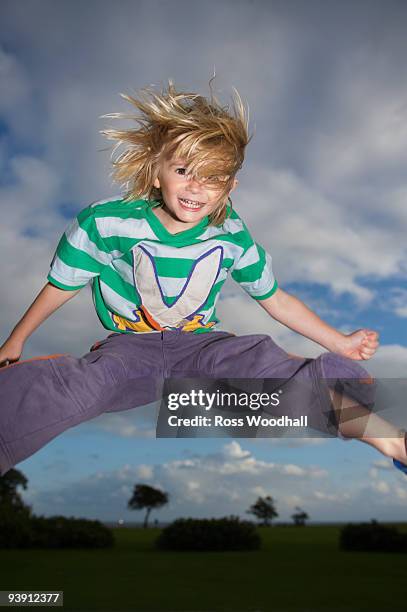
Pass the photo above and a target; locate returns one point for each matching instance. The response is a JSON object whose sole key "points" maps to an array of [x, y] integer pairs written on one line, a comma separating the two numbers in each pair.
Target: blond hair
{"points": [[208, 137]]}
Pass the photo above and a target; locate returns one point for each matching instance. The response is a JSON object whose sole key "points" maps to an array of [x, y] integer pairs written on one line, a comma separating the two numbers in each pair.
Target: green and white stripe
{"points": [[98, 246]]}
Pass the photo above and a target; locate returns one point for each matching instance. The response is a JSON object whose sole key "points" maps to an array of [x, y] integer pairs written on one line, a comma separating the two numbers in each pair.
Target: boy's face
{"points": [[187, 200]]}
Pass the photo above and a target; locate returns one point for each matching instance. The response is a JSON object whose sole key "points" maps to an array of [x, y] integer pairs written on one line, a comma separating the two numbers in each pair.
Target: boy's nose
{"points": [[194, 185]]}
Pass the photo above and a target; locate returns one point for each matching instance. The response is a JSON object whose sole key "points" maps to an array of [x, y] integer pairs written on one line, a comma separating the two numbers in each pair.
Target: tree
{"points": [[9, 496], [264, 509], [299, 517], [145, 496], [15, 515]]}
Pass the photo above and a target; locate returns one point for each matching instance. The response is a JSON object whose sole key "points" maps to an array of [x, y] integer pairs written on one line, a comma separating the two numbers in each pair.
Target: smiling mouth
{"points": [[190, 204]]}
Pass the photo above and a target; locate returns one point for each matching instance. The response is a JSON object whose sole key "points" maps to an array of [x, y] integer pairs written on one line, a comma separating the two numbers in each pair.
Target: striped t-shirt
{"points": [[145, 279]]}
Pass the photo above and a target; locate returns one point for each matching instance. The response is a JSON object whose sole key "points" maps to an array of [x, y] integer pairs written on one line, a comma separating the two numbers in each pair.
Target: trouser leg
{"points": [[41, 398], [258, 356], [353, 396]]}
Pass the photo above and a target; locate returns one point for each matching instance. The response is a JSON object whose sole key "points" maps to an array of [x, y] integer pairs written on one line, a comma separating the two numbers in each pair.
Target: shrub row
{"points": [[229, 533], [24, 531], [372, 537]]}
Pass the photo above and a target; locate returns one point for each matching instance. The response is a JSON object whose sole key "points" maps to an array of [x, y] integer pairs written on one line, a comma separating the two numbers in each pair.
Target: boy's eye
{"points": [[182, 171]]}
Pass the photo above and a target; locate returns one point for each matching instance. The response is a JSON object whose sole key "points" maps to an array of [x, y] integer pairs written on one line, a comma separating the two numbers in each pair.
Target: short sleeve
{"points": [[253, 270], [80, 255]]}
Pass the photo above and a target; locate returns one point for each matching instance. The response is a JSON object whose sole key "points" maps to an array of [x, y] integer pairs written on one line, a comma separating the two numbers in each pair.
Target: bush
{"points": [[372, 537], [53, 532], [227, 533], [62, 532], [15, 527]]}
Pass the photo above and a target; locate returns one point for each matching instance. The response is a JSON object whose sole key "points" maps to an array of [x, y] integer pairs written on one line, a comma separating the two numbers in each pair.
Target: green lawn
{"points": [[296, 569]]}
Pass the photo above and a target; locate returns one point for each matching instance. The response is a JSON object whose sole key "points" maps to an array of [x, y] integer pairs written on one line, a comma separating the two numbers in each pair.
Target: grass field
{"points": [[296, 569]]}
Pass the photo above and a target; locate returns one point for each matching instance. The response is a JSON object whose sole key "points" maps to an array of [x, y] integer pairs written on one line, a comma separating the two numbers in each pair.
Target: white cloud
{"points": [[144, 472], [126, 425], [381, 486], [401, 493], [396, 300], [293, 500], [369, 131], [314, 238], [390, 361], [258, 490], [381, 464], [332, 497], [235, 451], [14, 82]]}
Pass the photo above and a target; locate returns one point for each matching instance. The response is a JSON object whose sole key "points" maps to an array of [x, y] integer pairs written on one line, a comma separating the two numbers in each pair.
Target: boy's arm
{"points": [[293, 313], [47, 301]]}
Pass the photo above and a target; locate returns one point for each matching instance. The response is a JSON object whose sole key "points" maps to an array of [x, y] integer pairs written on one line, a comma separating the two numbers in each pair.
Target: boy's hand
{"points": [[10, 352], [361, 344]]}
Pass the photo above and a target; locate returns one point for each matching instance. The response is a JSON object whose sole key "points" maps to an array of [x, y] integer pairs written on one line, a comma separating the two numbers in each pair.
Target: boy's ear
{"points": [[157, 183], [235, 182]]}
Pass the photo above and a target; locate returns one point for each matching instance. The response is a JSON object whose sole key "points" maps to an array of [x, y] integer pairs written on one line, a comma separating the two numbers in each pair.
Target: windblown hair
{"points": [[206, 136]]}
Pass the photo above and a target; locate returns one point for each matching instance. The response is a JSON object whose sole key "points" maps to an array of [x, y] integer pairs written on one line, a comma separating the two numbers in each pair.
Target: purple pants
{"points": [[42, 397]]}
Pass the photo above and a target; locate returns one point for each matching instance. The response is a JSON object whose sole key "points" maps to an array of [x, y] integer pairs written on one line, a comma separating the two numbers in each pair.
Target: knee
{"points": [[354, 381]]}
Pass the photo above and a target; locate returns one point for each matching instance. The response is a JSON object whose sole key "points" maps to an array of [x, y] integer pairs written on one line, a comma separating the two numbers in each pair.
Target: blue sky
{"points": [[323, 189]]}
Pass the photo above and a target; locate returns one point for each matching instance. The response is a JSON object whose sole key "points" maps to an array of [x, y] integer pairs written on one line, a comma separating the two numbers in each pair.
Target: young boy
{"points": [[157, 259]]}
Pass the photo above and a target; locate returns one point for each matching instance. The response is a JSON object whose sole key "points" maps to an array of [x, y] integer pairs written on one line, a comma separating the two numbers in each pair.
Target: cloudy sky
{"points": [[323, 189]]}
